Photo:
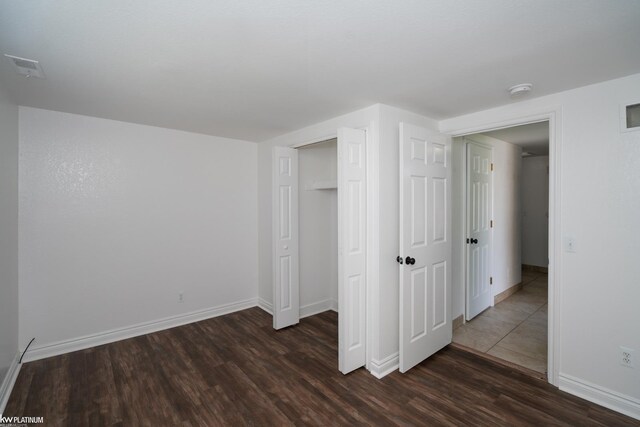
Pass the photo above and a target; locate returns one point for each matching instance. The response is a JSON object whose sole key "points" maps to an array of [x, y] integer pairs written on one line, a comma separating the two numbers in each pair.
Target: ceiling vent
{"points": [[26, 67]]}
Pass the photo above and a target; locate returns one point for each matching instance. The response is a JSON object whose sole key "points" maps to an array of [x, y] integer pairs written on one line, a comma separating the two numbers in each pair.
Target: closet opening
{"points": [[318, 227]]}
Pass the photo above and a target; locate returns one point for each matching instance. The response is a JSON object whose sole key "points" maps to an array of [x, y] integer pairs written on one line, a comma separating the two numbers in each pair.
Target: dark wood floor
{"points": [[236, 370]]}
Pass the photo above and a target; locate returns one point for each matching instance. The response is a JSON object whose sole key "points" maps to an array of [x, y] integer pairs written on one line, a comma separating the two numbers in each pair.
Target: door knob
{"points": [[474, 240], [410, 261], [399, 259]]}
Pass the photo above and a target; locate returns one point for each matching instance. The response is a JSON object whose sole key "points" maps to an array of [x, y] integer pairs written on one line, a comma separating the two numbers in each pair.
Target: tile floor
{"points": [[515, 329]]}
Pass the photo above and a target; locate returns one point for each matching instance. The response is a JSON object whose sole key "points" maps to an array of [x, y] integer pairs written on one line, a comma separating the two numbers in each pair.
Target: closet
{"points": [[318, 227], [319, 237]]}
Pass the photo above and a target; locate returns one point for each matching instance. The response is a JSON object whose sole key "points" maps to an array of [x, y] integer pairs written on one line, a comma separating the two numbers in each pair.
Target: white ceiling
{"points": [[533, 138], [254, 69]]}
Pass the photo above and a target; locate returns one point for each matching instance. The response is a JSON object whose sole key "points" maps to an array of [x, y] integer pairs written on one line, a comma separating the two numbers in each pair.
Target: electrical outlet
{"points": [[569, 244], [626, 357], [181, 297]]}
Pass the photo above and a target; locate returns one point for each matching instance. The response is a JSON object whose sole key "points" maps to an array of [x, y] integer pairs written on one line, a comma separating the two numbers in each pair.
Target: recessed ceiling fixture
{"points": [[520, 89], [26, 67], [527, 154]]}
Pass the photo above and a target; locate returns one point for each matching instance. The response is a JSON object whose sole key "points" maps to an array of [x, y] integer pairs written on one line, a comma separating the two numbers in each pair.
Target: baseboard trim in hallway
{"points": [[507, 293], [458, 321], [535, 269]]}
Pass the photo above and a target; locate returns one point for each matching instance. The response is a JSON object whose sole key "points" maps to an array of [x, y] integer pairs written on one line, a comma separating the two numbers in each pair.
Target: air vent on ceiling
{"points": [[26, 67]]}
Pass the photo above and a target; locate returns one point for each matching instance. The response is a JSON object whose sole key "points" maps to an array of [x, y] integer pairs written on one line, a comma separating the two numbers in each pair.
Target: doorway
{"points": [[506, 285]]}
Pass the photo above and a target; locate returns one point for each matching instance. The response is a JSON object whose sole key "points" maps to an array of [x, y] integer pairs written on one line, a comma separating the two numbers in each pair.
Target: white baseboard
{"points": [[306, 310], [381, 368], [81, 343], [608, 398], [318, 307], [265, 305], [8, 382]]}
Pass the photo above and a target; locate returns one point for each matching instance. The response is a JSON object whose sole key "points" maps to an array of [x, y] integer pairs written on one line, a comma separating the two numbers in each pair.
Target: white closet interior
{"points": [[318, 226]]}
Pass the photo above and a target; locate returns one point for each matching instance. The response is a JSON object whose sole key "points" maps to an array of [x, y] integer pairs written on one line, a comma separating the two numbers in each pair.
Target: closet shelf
{"points": [[323, 185]]}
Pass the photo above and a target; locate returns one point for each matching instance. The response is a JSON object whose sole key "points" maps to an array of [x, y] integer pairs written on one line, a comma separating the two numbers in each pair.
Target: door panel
{"points": [[352, 244], [286, 300], [479, 295], [425, 237]]}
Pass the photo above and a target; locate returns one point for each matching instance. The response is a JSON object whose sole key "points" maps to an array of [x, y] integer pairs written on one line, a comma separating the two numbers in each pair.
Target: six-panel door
{"points": [[425, 242]]}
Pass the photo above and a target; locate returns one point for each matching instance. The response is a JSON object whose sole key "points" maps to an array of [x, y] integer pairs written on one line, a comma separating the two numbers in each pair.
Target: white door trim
{"points": [[554, 116], [373, 229]]}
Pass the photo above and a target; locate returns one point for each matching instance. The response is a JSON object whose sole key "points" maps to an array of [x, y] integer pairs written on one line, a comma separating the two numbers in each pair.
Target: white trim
{"points": [[317, 140], [265, 305], [602, 396], [318, 307], [87, 341], [9, 381], [553, 115], [381, 368], [373, 242]]}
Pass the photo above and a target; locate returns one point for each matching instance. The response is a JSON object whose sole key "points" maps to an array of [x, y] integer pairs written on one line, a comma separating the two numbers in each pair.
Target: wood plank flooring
{"points": [[236, 370]]}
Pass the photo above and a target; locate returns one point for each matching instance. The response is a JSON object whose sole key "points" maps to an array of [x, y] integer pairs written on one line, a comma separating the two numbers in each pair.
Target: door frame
{"points": [[372, 230], [465, 189], [553, 115]]}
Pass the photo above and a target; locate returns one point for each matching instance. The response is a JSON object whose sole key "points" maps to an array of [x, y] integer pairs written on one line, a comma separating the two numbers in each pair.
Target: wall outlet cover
{"points": [[626, 357]]}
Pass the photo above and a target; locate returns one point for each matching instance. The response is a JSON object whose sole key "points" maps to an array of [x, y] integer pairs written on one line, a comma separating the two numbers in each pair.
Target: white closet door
{"points": [[286, 299], [425, 244], [352, 249]]}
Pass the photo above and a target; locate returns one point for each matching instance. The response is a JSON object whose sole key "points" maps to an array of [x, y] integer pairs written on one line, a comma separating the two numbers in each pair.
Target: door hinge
{"points": [[491, 280], [491, 224], [491, 167]]}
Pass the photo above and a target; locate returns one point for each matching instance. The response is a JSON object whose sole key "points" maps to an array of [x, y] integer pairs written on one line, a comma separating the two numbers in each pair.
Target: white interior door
{"points": [[425, 244], [352, 249], [478, 230], [286, 299]]}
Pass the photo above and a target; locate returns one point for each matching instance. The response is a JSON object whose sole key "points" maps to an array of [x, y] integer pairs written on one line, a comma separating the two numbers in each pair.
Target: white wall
{"points": [[116, 219], [318, 225], [535, 208], [505, 264], [507, 250], [599, 207], [8, 233]]}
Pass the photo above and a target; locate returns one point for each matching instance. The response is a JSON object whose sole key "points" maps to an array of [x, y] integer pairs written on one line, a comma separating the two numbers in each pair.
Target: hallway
{"points": [[514, 330]]}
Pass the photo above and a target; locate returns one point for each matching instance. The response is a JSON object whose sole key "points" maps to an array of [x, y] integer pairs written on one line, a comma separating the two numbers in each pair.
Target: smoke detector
{"points": [[26, 67], [520, 89]]}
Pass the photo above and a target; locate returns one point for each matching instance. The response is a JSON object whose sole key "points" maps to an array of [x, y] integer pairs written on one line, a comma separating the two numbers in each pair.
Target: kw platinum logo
{"points": [[20, 421]]}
